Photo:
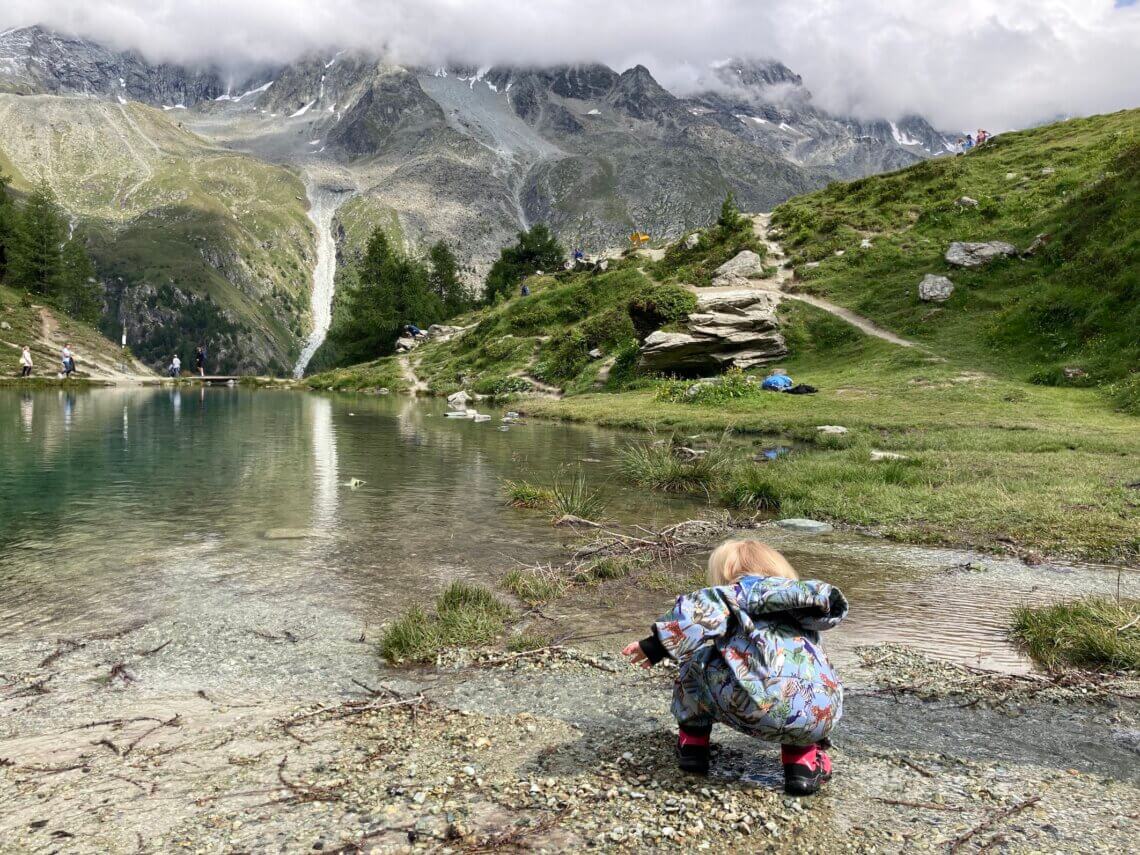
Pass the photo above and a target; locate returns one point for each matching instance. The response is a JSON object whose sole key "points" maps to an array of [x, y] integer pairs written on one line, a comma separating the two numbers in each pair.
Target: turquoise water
{"points": [[213, 514]]}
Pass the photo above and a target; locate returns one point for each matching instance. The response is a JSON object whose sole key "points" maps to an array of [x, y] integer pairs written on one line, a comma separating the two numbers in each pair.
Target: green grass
{"points": [[536, 585], [1088, 634], [573, 497], [524, 494], [382, 374], [658, 466], [1075, 304], [994, 462], [465, 616]]}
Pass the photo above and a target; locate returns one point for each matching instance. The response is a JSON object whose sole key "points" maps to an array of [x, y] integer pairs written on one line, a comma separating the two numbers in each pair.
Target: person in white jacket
{"points": [[26, 362]]}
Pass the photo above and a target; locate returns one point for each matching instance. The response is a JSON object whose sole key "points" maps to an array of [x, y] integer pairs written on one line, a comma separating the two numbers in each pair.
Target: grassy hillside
{"points": [[192, 242], [45, 331], [995, 446], [1074, 304]]}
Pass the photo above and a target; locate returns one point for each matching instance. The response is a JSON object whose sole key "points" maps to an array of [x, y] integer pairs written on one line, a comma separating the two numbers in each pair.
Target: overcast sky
{"points": [[961, 63]]}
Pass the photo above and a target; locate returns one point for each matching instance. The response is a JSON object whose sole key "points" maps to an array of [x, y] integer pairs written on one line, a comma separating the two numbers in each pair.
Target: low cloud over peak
{"points": [[993, 63]]}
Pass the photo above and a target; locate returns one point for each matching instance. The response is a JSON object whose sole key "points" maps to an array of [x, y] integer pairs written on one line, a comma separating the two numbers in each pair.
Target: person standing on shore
{"points": [[200, 360], [175, 366], [68, 361], [26, 362]]}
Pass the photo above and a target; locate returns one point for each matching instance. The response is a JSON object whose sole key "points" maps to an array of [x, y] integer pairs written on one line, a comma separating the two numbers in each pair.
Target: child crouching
{"points": [[750, 658]]}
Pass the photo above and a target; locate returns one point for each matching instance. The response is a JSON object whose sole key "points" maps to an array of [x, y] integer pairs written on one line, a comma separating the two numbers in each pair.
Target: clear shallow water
{"points": [[120, 506]]}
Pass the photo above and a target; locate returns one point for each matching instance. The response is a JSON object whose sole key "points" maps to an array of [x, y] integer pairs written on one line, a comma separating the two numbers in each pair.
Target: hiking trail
{"points": [[775, 256]]}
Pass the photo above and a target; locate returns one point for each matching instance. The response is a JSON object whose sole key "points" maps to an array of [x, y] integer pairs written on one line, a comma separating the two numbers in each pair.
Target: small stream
{"points": [[214, 514], [323, 205]]}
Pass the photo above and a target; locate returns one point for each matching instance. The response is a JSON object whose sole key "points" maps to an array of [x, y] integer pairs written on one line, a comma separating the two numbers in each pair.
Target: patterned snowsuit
{"points": [[751, 659]]}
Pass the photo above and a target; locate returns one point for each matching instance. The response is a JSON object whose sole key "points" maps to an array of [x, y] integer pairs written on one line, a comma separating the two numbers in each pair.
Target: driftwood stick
{"points": [[989, 821], [923, 805]]}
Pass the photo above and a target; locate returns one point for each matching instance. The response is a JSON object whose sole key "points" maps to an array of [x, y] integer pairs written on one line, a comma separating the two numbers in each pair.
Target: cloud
{"points": [[994, 63]]}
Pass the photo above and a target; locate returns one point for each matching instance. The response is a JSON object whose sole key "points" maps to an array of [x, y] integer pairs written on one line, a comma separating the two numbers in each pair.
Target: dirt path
{"points": [[784, 275], [416, 386], [50, 341]]}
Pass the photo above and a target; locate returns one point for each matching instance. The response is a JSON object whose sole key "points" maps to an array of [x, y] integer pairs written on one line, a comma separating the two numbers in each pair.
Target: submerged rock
{"points": [[458, 400], [935, 289], [293, 533], [966, 254], [804, 525]]}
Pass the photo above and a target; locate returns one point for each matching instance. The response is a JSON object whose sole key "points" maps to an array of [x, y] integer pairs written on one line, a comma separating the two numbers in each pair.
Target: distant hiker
{"points": [[200, 360], [26, 362], [969, 144], [750, 658], [412, 331], [982, 136], [777, 381], [524, 291], [175, 366], [960, 146], [68, 361], [579, 255]]}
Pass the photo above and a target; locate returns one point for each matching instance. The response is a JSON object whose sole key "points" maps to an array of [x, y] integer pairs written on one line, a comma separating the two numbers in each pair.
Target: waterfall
{"points": [[323, 205]]}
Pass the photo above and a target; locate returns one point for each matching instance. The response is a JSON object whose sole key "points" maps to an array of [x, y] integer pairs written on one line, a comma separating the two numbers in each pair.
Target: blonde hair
{"points": [[736, 558]]}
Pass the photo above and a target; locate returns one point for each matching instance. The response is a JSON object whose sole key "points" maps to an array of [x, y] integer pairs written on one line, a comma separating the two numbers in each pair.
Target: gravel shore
{"points": [[564, 750]]}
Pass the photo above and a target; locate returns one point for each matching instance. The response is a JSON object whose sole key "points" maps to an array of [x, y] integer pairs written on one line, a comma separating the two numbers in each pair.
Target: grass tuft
{"points": [[658, 466], [524, 494], [465, 615], [573, 497], [1099, 634], [536, 585]]}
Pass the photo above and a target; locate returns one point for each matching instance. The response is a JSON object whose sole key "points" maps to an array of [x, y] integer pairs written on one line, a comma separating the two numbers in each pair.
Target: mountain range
{"points": [[196, 188]]}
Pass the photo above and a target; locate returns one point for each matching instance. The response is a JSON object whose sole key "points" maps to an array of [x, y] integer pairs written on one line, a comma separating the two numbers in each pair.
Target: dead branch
{"points": [[154, 651], [119, 633], [354, 708], [923, 805], [36, 688], [302, 792], [118, 722], [993, 818], [173, 721], [106, 743], [62, 648]]}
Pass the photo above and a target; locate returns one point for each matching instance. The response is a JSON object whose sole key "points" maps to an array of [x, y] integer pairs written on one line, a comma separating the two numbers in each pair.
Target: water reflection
{"points": [[119, 505]]}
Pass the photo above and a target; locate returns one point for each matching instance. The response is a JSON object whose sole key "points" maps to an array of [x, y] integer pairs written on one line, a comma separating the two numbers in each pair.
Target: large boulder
{"points": [[962, 254], [458, 400], [935, 289], [744, 266], [737, 328]]}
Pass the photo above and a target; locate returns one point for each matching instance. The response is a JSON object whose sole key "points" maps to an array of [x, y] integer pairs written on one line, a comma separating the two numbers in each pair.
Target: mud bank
{"points": [[553, 751]]}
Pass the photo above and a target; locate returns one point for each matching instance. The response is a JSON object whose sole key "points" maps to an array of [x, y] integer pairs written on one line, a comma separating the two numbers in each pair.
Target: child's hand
{"points": [[636, 655]]}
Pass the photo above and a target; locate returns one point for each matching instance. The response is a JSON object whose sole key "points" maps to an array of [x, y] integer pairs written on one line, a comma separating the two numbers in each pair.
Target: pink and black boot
{"points": [[806, 768]]}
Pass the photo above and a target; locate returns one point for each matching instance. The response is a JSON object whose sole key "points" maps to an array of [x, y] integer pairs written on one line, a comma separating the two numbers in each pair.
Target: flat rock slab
{"points": [[805, 526], [962, 254]]}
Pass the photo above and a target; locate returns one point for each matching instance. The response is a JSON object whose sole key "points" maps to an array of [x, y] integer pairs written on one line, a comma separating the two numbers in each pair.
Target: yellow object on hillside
{"points": [[638, 238]]}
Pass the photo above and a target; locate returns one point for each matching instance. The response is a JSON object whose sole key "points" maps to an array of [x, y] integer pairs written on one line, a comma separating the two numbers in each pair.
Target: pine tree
{"points": [[730, 220], [7, 224], [35, 262], [80, 295], [535, 250], [445, 282]]}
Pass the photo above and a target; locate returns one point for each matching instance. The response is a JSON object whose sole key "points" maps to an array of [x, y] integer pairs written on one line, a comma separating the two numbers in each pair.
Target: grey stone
{"points": [[744, 266], [4, 325], [595, 354], [805, 526], [403, 345], [735, 328], [877, 456], [966, 202], [458, 400], [966, 254], [1048, 170], [935, 289], [837, 430], [692, 240], [1038, 244]]}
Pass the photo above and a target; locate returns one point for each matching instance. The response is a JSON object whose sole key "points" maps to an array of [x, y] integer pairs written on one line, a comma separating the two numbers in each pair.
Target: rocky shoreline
{"points": [[561, 750]]}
